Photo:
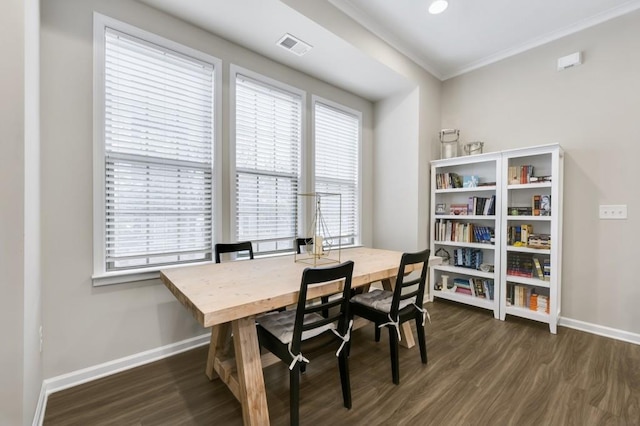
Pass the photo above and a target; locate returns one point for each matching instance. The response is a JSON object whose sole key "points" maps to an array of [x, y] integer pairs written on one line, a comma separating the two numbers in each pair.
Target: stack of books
{"points": [[539, 303], [520, 264]]}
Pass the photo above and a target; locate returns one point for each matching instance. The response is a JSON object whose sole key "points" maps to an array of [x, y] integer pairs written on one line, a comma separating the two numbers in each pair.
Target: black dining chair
{"points": [[390, 309], [303, 242], [237, 248], [244, 248], [291, 335]]}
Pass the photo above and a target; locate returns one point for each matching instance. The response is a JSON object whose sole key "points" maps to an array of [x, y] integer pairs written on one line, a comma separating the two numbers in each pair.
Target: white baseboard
{"points": [[600, 330], [85, 375], [38, 417]]}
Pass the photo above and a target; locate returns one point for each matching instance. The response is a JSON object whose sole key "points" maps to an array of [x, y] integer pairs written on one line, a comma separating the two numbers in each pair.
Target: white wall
{"points": [[593, 112], [396, 177], [12, 32], [86, 325]]}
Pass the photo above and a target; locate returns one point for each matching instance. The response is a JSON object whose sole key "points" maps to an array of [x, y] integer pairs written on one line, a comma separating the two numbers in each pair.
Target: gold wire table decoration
{"points": [[324, 230]]}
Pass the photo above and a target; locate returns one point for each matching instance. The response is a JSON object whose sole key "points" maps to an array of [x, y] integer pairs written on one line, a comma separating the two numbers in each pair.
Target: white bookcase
{"points": [[520, 276], [519, 287], [460, 234]]}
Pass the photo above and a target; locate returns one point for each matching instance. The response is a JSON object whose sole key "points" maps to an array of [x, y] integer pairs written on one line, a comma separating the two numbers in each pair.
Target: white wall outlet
{"points": [[613, 211]]}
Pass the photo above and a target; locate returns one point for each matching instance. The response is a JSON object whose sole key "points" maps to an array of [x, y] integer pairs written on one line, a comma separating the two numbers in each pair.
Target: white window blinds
{"points": [[337, 136], [158, 155], [268, 140]]}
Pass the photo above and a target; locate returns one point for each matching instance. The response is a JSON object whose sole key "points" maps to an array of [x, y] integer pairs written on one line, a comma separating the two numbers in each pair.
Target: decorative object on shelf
{"points": [[449, 143], [473, 148], [470, 181], [441, 208], [545, 205], [486, 267], [458, 209], [324, 228], [445, 282], [446, 257]]}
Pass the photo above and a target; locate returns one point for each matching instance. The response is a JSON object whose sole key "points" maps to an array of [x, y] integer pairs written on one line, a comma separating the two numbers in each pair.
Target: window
{"points": [[268, 139], [337, 153], [154, 152]]}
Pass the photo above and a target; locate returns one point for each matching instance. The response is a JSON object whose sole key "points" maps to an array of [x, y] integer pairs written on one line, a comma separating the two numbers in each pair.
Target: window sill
{"points": [[122, 277]]}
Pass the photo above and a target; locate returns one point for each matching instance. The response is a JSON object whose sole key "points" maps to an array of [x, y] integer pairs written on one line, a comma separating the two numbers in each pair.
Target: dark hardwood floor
{"points": [[481, 371]]}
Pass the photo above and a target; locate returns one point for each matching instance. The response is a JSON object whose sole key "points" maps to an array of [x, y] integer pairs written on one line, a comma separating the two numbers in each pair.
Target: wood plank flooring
{"points": [[481, 371]]}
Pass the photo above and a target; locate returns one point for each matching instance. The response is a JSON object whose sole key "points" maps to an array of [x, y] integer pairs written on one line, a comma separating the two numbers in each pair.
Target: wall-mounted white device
{"points": [[618, 211], [569, 61]]}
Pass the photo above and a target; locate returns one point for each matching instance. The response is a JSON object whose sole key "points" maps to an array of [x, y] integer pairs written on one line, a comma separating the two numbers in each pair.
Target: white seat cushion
{"points": [[380, 300], [280, 324]]}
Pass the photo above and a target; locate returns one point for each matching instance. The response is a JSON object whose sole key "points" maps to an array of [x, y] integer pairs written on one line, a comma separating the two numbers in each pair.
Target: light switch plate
{"points": [[609, 211]]}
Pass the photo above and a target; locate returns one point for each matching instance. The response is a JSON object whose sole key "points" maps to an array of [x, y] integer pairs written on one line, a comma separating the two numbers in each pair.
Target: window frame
{"points": [[315, 99], [303, 179], [100, 23]]}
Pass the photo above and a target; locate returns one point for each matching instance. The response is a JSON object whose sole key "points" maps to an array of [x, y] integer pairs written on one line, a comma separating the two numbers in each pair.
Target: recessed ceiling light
{"points": [[438, 6]]}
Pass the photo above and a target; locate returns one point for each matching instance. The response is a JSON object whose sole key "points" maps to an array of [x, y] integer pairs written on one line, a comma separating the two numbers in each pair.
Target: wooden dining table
{"points": [[228, 296]]}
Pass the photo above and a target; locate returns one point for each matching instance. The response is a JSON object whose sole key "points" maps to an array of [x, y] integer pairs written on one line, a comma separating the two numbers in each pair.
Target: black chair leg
{"points": [[294, 395], [343, 362], [393, 346], [421, 340], [377, 332]]}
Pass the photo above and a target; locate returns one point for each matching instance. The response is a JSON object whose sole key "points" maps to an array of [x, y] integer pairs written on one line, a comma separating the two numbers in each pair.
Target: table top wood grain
{"points": [[223, 292]]}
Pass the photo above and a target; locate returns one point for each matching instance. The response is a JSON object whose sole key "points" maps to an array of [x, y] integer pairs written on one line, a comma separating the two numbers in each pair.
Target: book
{"points": [[488, 288], [478, 286], [536, 262], [539, 179], [539, 241], [519, 211], [535, 205], [492, 206], [525, 231], [513, 175], [546, 268]]}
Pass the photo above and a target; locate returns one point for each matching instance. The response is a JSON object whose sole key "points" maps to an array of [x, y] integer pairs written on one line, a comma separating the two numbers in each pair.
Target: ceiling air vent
{"points": [[293, 44]]}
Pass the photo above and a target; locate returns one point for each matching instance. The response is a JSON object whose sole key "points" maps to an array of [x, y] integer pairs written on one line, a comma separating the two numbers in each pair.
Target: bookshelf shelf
{"points": [[529, 218], [527, 281], [464, 271], [471, 189], [528, 313], [466, 299], [482, 205], [530, 185], [466, 217], [461, 244], [528, 250], [545, 224]]}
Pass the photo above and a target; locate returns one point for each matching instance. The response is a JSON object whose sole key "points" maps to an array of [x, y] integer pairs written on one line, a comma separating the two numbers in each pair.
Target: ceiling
{"points": [[474, 33], [468, 35]]}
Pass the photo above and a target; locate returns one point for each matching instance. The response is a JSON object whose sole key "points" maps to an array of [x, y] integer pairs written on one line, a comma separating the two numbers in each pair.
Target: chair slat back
{"points": [[302, 242], [244, 246], [316, 277], [410, 259]]}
